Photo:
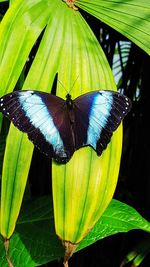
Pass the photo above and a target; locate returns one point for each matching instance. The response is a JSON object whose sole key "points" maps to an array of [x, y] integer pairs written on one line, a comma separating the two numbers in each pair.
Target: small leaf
{"points": [[138, 252]]}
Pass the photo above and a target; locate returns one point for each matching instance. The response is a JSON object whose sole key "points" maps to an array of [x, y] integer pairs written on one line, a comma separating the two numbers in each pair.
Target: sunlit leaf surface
{"points": [[68, 47], [129, 17]]}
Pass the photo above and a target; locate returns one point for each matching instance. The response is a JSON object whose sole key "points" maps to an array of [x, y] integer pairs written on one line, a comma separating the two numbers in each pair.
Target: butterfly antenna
{"points": [[62, 85], [73, 84]]}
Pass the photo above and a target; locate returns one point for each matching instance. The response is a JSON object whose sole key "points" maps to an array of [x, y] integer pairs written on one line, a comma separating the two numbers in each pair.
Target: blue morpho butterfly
{"points": [[59, 127]]}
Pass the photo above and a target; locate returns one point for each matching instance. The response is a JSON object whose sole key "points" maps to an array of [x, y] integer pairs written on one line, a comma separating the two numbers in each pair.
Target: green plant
{"points": [[66, 45]]}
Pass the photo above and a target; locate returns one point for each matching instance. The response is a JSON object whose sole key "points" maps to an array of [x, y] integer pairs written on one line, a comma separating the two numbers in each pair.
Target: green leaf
{"points": [[11, 1], [68, 47], [3, 135], [35, 242], [14, 177], [118, 218], [129, 17], [19, 29]]}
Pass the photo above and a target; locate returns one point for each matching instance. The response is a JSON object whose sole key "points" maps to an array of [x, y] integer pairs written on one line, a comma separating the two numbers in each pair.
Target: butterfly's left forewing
{"points": [[44, 118], [101, 113]]}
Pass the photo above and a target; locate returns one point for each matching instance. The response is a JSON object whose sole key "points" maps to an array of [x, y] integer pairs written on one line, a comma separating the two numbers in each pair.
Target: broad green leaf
{"points": [[34, 241], [3, 135], [81, 194], [15, 173], [83, 57], [118, 218], [68, 47], [11, 1], [129, 17], [22, 148], [19, 29]]}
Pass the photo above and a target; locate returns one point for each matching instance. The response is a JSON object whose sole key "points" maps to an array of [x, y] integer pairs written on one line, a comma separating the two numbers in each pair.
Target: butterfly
{"points": [[59, 127]]}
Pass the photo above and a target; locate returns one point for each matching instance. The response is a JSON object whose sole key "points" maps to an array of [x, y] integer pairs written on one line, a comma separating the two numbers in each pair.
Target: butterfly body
{"points": [[59, 127]]}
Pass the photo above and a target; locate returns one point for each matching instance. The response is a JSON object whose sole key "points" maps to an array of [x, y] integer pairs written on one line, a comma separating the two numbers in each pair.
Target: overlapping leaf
{"points": [[129, 17], [35, 243], [67, 47]]}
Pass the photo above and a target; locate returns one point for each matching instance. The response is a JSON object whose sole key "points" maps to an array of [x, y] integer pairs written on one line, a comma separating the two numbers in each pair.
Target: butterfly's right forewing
{"points": [[100, 112]]}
